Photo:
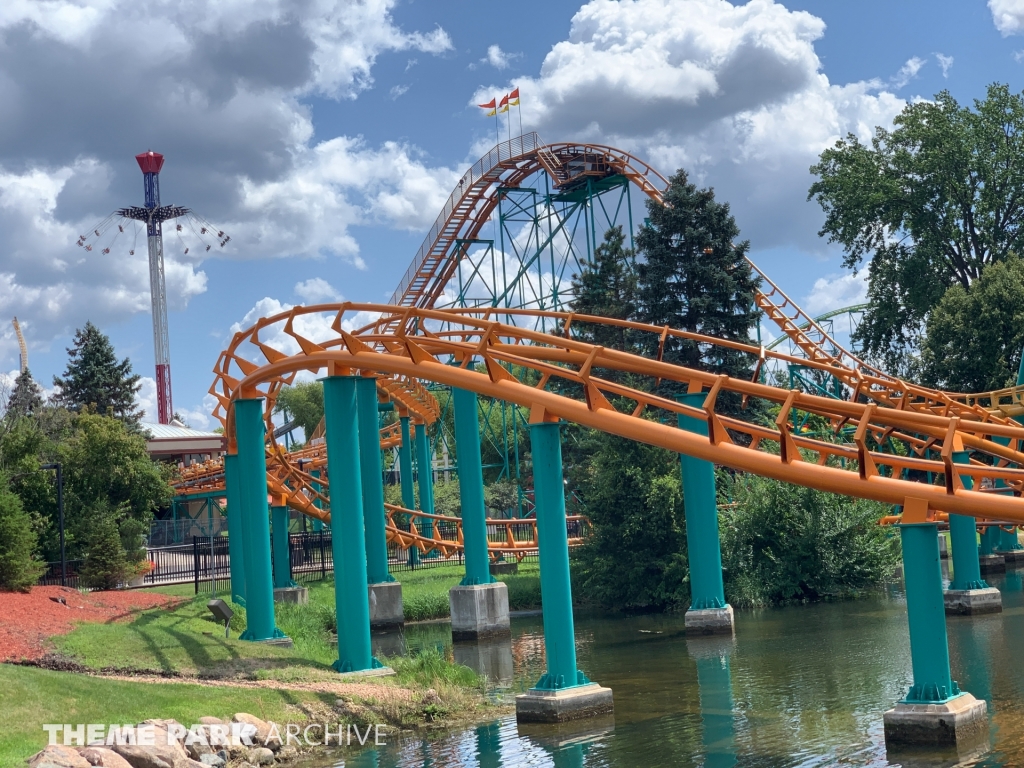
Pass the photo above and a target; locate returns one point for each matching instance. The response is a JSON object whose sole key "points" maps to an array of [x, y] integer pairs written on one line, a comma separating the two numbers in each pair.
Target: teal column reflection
{"points": [[488, 745], [714, 680]]}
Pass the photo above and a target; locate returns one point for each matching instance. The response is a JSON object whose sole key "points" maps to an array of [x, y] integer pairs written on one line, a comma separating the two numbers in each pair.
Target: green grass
{"points": [[32, 697]]}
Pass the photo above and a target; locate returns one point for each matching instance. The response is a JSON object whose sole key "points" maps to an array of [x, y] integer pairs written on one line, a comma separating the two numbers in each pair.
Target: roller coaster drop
{"points": [[962, 454]]}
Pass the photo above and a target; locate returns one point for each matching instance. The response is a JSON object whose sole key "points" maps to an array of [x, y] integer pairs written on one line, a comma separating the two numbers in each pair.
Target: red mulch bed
{"points": [[27, 620]]}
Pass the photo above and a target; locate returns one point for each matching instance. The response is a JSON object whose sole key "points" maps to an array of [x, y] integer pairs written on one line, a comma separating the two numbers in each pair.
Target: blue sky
{"points": [[325, 135]]}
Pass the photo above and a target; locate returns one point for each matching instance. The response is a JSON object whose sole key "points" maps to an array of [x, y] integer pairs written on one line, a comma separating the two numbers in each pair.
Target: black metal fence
{"points": [[204, 559]]}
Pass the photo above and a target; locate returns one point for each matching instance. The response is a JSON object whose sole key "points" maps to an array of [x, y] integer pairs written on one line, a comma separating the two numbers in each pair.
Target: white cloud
{"points": [[316, 290], [1008, 16], [835, 292], [732, 93], [145, 398], [230, 119], [498, 58], [398, 90], [946, 62], [909, 71]]}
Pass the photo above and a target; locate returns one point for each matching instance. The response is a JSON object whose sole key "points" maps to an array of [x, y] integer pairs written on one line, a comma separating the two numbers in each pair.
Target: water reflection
{"points": [[715, 682], [801, 686]]}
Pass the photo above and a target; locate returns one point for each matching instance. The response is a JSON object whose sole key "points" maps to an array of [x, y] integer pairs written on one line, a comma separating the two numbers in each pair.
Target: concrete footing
{"points": [[991, 564], [378, 672], [479, 611], [576, 703], [943, 546], [490, 658], [1014, 558], [972, 602], [297, 595], [958, 721], [504, 567], [386, 610], [710, 621]]}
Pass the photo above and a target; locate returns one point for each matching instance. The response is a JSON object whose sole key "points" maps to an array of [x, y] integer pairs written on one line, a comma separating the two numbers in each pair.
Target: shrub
{"points": [[782, 543], [105, 566]]}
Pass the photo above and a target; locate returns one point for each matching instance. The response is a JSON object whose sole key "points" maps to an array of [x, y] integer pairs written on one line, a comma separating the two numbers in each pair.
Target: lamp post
{"points": [[60, 517]]}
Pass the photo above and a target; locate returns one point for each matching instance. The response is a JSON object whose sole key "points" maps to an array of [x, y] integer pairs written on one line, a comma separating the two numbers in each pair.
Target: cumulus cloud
{"points": [[316, 290], [1008, 16], [733, 93], [227, 81]]}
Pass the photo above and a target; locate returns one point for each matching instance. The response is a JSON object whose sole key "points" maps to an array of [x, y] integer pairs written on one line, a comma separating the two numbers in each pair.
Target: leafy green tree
{"points": [[304, 403], [95, 379], [974, 335], [26, 397], [694, 276], [927, 205], [19, 566], [635, 557], [107, 468], [502, 496], [606, 286], [782, 543]]}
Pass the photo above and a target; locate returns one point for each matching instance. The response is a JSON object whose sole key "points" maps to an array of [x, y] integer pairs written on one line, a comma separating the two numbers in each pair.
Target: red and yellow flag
{"points": [[489, 105]]}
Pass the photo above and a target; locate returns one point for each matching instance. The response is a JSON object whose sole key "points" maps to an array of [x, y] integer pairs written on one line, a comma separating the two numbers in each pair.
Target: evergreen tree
{"points": [[694, 277], [606, 287], [19, 568], [95, 379], [106, 565], [26, 396]]}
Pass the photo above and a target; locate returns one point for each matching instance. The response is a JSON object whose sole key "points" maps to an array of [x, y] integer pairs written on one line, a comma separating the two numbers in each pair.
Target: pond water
{"points": [[800, 686]]}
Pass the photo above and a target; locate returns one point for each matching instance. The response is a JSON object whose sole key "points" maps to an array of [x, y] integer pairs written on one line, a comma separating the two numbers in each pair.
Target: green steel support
{"points": [[963, 537], [318, 525], [236, 543], [926, 615], [425, 476], [471, 488], [373, 488], [405, 472], [280, 517], [252, 483], [702, 542], [348, 541], [555, 587]]}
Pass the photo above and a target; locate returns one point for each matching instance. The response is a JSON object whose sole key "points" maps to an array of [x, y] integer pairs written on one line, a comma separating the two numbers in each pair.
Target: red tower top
{"points": [[150, 162]]}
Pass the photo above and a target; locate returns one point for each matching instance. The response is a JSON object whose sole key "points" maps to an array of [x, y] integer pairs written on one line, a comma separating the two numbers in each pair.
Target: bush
{"points": [[782, 543], [19, 568]]}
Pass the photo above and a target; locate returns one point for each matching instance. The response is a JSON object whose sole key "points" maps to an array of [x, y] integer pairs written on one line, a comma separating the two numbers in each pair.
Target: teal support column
{"points": [[318, 525], [714, 680], [990, 540], [555, 588], [405, 471], [252, 483], [348, 539], [424, 475], [236, 545], [280, 517], [702, 542], [963, 537], [371, 477], [471, 488], [926, 616]]}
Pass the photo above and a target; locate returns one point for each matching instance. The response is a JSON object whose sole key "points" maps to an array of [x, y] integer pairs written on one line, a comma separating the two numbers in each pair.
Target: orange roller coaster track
{"points": [[415, 351]]}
